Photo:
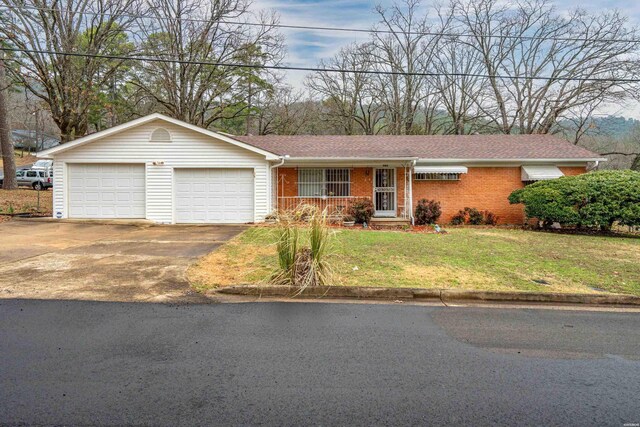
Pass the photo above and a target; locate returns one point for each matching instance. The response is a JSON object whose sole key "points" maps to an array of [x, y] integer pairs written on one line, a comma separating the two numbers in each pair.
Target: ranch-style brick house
{"points": [[167, 171]]}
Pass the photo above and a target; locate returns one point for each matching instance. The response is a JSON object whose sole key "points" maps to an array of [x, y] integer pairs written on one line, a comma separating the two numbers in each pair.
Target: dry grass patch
{"points": [[465, 258], [22, 159], [25, 201], [235, 263]]}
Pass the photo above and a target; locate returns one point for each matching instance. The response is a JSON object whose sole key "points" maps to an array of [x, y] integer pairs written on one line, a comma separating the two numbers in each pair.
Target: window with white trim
{"points": [[314, 182], [437, 176]]}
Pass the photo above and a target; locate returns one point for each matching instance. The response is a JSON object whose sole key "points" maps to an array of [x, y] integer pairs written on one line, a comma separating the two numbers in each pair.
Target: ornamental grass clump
{"points": [[303, 249]]}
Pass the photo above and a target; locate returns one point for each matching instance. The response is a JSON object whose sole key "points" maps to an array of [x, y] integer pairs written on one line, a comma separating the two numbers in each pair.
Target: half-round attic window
{"points": [[160, 135]]}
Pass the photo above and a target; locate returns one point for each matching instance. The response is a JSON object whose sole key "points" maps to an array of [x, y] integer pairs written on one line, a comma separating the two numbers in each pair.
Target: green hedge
{"points": [[595, 199]]}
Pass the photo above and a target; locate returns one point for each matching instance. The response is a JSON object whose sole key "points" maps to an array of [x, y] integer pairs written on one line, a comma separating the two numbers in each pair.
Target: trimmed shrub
{"points": [[459, 219], [489, 218], [595, 199], [361, 210], [427, 212], [473, 216]]}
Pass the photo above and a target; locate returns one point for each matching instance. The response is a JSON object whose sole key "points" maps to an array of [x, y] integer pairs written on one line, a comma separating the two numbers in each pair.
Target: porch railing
{"points": [[335, 206]]}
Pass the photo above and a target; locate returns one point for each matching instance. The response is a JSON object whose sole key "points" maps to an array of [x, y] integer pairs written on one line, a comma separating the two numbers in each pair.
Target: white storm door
{"points": [[384, 192]]}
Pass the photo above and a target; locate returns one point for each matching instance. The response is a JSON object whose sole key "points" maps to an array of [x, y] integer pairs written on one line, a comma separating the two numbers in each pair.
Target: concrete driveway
{"points": [[84, 261]]}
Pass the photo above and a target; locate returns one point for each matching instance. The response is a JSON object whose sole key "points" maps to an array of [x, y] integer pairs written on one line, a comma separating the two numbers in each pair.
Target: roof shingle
{"points": [[467, 147]]}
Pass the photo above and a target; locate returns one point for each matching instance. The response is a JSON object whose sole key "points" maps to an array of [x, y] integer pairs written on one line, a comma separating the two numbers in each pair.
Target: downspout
{"points": [[271, 168], [413, 163]]}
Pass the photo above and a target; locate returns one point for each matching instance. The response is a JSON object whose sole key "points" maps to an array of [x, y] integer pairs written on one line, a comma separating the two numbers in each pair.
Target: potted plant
{"points": [[270, 219], [348, 221]]}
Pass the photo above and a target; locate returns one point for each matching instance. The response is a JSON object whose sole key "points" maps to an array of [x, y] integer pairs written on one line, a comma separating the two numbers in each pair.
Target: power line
{"points": [[338, 29], [313, 69]]}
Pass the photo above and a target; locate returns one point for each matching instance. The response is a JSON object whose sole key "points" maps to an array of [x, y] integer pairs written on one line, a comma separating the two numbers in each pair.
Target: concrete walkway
{"points": [[102, 262]]}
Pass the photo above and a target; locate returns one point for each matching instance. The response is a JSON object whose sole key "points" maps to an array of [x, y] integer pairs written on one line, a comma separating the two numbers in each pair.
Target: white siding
{"points": [[187, 149], [160, 193], [59, 189]]}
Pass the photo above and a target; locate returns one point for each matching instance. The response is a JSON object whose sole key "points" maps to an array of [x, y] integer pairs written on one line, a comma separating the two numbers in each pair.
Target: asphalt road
{"points": [[297, 364]]}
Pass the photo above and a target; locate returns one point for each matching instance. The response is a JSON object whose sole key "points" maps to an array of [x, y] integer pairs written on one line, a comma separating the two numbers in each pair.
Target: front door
{"points": [[384, 192]]}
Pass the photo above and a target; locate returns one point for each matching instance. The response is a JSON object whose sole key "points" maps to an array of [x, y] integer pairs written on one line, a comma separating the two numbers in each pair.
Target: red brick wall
{"points": [[485, 188], [361, 182], [481, 188]]}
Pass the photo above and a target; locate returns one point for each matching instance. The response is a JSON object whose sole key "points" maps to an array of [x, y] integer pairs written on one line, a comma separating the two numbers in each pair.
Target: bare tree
{"points": [[522, 43], [6, 147], [350, 99], [460, 89], [283, 111], [193, 31], [405, 47], [44, 29]]}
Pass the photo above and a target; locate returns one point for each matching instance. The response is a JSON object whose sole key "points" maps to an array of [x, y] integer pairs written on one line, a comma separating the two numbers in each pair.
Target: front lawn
{"points": [[464, 258]]}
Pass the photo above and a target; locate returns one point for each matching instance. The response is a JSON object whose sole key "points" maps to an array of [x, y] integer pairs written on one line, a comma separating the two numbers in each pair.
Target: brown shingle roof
{"points": [[469, 147]]}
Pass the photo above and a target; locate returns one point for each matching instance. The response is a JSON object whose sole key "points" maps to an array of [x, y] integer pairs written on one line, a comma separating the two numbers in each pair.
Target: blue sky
{"points": [[305, 48]]}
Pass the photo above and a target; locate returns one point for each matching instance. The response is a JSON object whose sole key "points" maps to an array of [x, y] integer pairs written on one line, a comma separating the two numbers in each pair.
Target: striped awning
{"points": [[540, 172], [440, 169]]}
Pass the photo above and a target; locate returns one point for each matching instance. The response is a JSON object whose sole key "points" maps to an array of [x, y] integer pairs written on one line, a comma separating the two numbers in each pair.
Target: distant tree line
{"points": [[467, 66]]}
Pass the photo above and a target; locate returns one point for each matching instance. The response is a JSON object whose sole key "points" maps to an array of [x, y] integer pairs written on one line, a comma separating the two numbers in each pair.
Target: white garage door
{"points": [[214, 196], [106, 191]]}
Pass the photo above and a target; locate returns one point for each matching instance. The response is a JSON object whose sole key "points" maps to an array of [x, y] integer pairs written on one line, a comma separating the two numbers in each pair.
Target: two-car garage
{"points": [[202, 195], [162, 170]]}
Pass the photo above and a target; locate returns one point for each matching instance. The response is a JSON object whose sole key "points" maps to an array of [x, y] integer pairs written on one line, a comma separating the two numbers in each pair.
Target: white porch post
{"points": [[413, 163]]}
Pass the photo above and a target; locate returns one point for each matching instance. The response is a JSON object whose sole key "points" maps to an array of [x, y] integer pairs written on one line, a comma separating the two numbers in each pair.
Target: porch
{"points": [[335, 189]]}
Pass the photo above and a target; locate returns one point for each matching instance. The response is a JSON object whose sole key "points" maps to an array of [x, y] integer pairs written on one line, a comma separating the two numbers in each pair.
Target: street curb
{"points": [[443, 295]]}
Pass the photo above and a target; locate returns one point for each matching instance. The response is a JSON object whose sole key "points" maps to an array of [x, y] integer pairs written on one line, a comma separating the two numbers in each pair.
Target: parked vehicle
{"points": [[36, 179], [43, 165]]}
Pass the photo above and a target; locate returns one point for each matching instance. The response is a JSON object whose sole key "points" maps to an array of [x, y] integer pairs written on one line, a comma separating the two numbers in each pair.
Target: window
{"points": [[31, 174], [324, 182], [160, 135], [431, 176]]}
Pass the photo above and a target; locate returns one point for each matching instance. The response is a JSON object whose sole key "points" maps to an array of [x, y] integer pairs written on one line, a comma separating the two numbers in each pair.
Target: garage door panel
{"points": [[214, 195], [106, 191]]}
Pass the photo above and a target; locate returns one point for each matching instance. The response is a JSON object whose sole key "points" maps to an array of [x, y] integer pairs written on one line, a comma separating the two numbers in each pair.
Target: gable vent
{"points": [[160, 135]]}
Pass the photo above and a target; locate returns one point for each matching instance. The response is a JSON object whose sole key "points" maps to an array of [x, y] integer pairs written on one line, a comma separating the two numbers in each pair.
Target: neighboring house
{"points": [[169, 171], [32, 140]]}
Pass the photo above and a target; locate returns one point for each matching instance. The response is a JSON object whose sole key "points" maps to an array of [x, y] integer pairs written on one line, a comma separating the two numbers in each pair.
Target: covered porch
{"points": [[335, 186]]}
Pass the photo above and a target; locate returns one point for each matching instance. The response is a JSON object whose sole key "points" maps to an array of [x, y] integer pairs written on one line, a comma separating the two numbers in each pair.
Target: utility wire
{"points": [[339, 29], [312, 69]]}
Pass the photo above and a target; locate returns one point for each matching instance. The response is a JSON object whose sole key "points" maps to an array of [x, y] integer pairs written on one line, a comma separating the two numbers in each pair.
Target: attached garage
{"points": [[106, 191], [213, 196], [163, 170]]}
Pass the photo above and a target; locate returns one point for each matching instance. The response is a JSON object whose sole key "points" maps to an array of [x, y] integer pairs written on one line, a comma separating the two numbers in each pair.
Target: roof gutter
{"points": [[550, 160], [350, 159]]}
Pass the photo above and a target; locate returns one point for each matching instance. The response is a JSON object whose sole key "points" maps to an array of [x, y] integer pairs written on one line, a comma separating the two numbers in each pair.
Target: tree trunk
{"points": [[8, 160]]}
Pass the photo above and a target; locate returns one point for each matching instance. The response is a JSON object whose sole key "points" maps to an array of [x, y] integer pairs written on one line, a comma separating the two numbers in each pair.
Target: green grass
{"points": [[465, 258]]}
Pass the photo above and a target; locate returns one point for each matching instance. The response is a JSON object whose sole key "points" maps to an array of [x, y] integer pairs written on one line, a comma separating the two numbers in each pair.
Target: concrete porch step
{"points": [[389, 222]]}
